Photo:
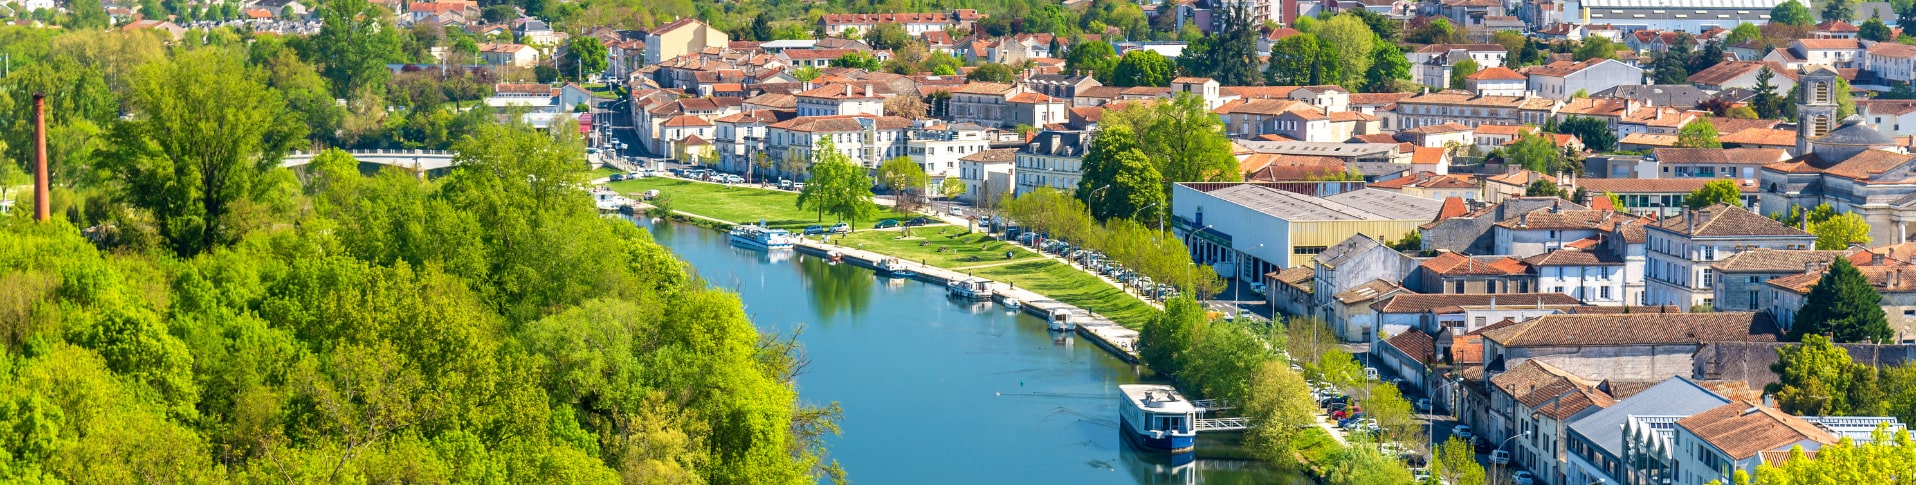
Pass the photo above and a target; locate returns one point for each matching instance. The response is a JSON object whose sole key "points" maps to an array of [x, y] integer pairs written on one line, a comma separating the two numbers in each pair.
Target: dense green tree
{"points": [[992, 72], [1791, 12], [1293, 61], [887, 36], [86, 14], [1840, 231], [905, 179], [1455, 462], [1351, 42], [1716, 192], [584, 56], [1813, 378], [1595, 47], [1119, 179], [1744, 32], [762, 26], [1843, 306], [1143, 67], [861, 60], [1095, 58], [354, 44], [1766, 102], [1673, 66], [197, 155], [1230, 55], [1461, 70], [1874, 29], [1595, 133], [1183, 137], [1389, 70], [1698, 133], [1277, 397], [1844, 10], [837, 186], [1437, 31], [1535, 153]]}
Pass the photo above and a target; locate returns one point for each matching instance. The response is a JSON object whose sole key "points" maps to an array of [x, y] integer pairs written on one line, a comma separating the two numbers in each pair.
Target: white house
{"points": [[1891, 61], [1052, 159], [843, 100], [939, 148], [987, 174], [1681, 250]]}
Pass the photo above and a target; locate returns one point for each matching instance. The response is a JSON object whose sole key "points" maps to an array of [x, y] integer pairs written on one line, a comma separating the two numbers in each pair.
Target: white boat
{"points": [[969, 289], [760, 237], [609, 201], [1157, 417], [1061, 320], [1013, 303]]}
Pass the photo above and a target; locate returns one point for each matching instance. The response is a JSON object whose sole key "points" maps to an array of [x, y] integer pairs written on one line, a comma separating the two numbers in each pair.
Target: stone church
{"points": [[1845, 163]]}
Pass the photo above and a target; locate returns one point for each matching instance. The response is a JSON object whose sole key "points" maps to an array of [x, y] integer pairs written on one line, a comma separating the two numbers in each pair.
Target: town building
{"points": [[1629, 442], [1564, 79], [1844, 163], [987, 175], [1052, 159], [682, 37], [1682, 249]]}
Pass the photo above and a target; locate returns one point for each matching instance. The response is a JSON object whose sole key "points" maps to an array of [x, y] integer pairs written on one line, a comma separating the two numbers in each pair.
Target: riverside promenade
{"points": [[1120, 341]]}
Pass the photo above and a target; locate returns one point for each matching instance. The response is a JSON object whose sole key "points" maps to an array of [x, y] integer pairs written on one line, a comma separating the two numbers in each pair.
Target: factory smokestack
{"points": [[41, 204]]}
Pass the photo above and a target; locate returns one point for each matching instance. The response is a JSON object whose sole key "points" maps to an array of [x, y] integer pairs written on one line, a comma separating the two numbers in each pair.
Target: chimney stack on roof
{"points": [[42, 205]]}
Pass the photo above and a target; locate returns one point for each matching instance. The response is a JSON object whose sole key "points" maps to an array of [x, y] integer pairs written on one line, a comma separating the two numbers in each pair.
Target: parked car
{"points": [[886, 224], [799, 186], [616, 177], [1422, 405], [1257, 288], [917, 222], [814, 229], [1524, 478], [841, 228], [1370, 373], [1461, 431], [957, 211], [1500, 457]]}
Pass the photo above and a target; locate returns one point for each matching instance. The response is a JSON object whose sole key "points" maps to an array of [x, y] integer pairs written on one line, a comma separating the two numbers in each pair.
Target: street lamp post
{"points": [[1500, 446]]}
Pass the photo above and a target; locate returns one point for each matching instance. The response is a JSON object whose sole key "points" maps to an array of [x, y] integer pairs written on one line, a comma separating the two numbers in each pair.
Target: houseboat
{"points": [[1061, 320], [892, 268], [1157, 417], [760, 237], [969, 289]]}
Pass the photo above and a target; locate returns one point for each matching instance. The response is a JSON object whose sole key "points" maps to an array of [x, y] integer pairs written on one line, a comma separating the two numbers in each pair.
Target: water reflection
{"points": [[938, 390], [835, 288]]}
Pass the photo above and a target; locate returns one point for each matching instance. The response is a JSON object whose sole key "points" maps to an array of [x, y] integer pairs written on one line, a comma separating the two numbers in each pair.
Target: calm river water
{"points": [[940, 391]]}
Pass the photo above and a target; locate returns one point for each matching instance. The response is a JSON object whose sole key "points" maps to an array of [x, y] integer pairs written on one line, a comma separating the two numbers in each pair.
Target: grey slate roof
{"points": [[1657, 94], [1676, 396], [1341, 253], [1854, 132], [1391, 204]]}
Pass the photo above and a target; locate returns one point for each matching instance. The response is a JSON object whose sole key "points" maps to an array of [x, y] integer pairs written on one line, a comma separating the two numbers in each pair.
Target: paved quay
{"points": [[1120, 341]]}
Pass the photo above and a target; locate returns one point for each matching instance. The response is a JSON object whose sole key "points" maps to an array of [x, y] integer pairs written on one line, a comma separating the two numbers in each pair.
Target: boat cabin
{"points": [[1158, 417]]}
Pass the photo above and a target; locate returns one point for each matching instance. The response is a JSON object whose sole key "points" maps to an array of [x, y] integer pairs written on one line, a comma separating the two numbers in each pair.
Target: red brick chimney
{"points": [[41, 204]]}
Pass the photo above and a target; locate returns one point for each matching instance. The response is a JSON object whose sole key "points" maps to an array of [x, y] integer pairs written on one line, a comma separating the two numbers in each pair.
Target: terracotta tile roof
{"points": [[1725, 71], [1368, 291], [1723, 220], [1453, 264], [1836, 25], [1520, 178], [1766, 260], [1649, 139], [1829, 44], [766, 116], [1429, 156], [1466, 98], [1375, 138], [1416, 344], [1567, 220], [687, 120], [1892, 49], [1526, 379], [1421, 302], [839, 124], [1871, 166], [1563, 68], [1032, 98], [995, 155], [1721, 156], [1297, 276], [1367, 99], [1504, 130], [1574, 257], [1428, 180], [1761, 137], [1498, 73], [1258, 92], [1564, 330], [1446, 127], [1886, 279], [1453, 207], [1741, 430], [1273, 167]]}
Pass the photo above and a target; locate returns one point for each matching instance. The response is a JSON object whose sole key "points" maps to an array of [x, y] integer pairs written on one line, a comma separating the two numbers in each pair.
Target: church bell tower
{"points": [[1816, 108]]}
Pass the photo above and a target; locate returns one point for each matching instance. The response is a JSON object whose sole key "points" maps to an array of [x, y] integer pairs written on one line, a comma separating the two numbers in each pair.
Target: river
{"points": [[941, 391]]}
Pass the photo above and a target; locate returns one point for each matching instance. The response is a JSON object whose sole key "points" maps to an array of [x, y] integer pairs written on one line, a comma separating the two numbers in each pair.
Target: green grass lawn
{"points": [[1316, 445], [1027, 270], [742, 205], [604, 172]]}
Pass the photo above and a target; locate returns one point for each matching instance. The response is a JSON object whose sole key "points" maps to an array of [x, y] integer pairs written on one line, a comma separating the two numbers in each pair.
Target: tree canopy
{"points": [[1791, 12], [837, 185], [1838, 232], [1716, 192], [1844, 306], [1143, 67], [1698, 133]]}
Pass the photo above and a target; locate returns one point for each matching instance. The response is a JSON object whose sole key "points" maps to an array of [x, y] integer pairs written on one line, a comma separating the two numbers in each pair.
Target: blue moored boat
{"points": [[1157, 417]]}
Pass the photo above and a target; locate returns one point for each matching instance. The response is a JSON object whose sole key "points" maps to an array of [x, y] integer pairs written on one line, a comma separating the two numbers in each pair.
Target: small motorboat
{"points": [[834, 256], [1061, 321], [1013, 304]]}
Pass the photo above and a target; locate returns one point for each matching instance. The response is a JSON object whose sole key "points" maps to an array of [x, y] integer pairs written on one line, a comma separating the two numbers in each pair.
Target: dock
{"points": [[1114, 338]]}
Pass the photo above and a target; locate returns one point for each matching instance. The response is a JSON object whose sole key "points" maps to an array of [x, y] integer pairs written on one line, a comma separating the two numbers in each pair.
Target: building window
{"points": [[1460, 286]]}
